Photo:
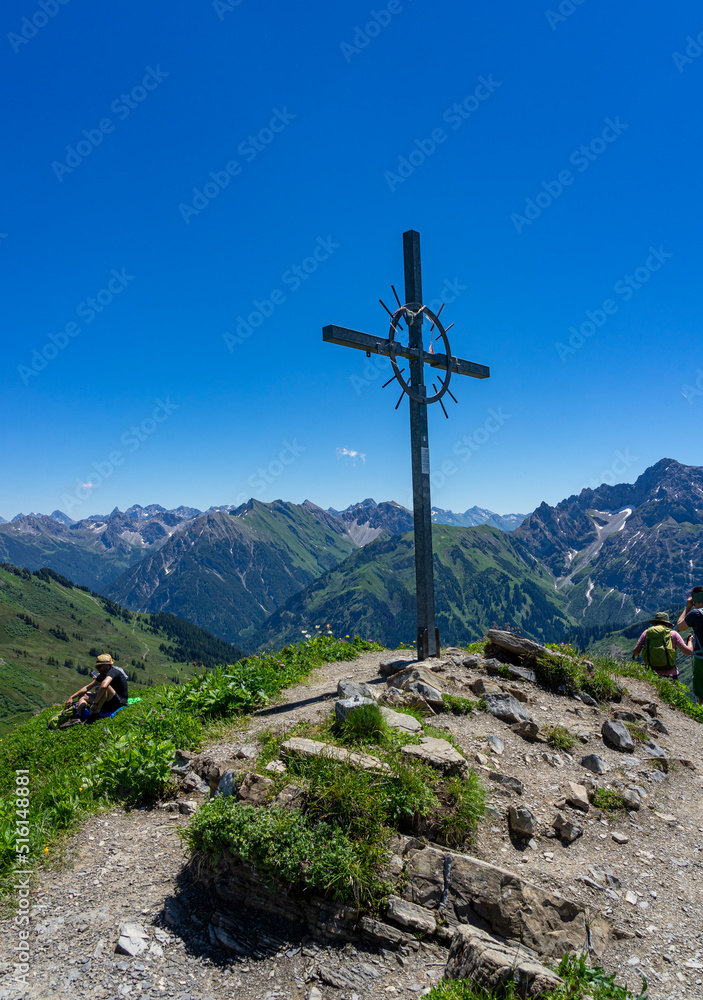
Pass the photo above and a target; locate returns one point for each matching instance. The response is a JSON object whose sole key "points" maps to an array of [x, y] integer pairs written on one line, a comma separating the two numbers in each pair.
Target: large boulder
{"points": [[418, 672], [468, 891], [507, 708], [255, 790], [616, 734], [349, 688], [345, 706], [492, 963]]}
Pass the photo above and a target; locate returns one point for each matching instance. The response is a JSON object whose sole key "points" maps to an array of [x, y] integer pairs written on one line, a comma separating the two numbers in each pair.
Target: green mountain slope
{"points": [[227, 572], [481, 578], [50, 632]]}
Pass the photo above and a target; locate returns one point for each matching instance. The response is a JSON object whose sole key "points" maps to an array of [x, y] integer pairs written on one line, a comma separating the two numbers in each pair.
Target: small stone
{"points": [[553, 759], [631, 897], [577, 796], [594, 762], [228, 783], [619, 838], [527, 729], [617, 735], [432, 695], [133, 939], [659, 726], [481, 758], [314, 994], [496, 744], [521, 821], [291, 797], [631, 799], [567, 830], [587, 699], [248, 752], [514, 784], [187, 808], [255, 790], [654, 750], [276, 767]]}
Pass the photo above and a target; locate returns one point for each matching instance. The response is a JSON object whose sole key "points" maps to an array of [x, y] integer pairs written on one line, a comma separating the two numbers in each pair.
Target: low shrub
{"points": [[364, 725], [289, 849]]}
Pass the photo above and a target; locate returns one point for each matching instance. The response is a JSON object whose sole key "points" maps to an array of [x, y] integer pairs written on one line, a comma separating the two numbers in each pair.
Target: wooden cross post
{"points": [[413, 313]]}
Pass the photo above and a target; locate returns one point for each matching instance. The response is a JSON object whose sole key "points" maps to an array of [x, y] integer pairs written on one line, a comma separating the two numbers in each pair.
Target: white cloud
{"points": [[351, 453]]}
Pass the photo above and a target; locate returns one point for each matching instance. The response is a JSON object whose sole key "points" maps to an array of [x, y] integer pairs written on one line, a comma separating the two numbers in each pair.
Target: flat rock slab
{"points": [[438, 753], [349, 688], [507, 780], [298, 746], [389, 667], [468, 888], [507, 708], [401, 721], [416, 672], [408, 914], [491, 963], [133, 939]]}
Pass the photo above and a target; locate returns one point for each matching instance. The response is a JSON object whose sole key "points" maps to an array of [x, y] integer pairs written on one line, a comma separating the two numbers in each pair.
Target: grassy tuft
{"points": [[561, 738], [609, 799], [458, 706]]}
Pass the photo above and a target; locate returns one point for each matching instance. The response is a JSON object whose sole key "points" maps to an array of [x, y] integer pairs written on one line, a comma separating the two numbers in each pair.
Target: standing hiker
{"points": [[692, 617], [658, 645], [110, 693]]}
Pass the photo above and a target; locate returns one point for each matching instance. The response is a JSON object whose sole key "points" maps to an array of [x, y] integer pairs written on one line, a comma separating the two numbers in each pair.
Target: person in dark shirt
{"points": [[107, 692], [692, 617]]}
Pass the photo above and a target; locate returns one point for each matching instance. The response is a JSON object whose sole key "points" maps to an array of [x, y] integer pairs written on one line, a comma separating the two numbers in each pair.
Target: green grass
{"points": [[81, 770], [609, 799], [352, 809], [458, 706], [561, 738], [580, 980]]}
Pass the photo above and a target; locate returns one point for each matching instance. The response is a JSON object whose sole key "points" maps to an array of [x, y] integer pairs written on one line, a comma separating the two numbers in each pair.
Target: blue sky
{"points": [[177, 163]]}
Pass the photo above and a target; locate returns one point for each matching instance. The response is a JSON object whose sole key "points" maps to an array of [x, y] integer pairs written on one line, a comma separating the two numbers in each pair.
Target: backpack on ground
{"points": [[658, 651]]}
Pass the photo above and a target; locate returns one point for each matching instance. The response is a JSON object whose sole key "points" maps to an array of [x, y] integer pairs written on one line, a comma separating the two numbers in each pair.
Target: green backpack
{"points": [[658, 651]]}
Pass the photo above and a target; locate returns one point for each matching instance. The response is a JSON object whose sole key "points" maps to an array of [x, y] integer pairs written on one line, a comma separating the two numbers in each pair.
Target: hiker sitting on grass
{"points": [[110, 689], [692, 617], [658, 645]]}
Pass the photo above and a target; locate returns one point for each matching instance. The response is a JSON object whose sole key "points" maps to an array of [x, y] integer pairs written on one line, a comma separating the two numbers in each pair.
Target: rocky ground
{"points": [[642, 869]]}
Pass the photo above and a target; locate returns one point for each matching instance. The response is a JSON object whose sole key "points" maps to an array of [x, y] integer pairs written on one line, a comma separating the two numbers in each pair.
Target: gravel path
{"points": [[121, 867]]}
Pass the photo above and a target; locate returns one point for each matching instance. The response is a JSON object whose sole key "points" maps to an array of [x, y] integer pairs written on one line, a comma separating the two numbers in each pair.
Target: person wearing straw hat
{"points": [[111, 689], [692, 617], [658, 645]]}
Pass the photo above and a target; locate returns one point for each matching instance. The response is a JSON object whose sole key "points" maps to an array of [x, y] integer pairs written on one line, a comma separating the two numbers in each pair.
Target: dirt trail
{"points": [[122, 867]]}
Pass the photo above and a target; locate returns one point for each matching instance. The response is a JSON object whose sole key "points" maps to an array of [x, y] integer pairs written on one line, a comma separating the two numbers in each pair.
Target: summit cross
{"points": [[413, 312]]}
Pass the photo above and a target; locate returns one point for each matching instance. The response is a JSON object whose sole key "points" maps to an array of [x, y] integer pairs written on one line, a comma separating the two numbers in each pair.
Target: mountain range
{"points": [[263, 572]]}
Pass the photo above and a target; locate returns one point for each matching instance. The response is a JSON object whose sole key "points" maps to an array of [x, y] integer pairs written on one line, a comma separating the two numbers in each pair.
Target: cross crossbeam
{"points": [[414, 388], [377, 345]]}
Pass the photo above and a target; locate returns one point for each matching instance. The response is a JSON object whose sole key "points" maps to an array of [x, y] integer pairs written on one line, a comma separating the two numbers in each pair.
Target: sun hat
{"points": [[104, 660], [661, 618]]}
